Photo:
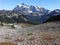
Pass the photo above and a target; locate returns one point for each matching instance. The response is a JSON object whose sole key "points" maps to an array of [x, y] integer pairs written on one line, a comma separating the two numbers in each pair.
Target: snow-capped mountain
{"points": [[54, 12], [36, 14], [31, 9], [22, 8], [26, 13]]}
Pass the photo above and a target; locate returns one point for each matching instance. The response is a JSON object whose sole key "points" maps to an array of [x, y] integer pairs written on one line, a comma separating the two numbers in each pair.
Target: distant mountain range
{"points": [[26, 13]]}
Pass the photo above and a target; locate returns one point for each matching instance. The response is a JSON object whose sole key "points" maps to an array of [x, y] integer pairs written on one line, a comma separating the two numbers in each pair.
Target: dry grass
{"points": [[7, 43], [50, 38], [37, 38], [25, 25], [19, 40]]}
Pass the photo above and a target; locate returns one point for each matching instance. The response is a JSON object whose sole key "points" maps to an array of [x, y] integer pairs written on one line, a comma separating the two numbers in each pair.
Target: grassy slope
{"points": [[49, 26], [43, 34]]}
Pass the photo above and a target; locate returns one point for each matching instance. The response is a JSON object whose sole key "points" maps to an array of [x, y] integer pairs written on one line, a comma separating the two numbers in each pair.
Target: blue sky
{"points": [[48, 4]]}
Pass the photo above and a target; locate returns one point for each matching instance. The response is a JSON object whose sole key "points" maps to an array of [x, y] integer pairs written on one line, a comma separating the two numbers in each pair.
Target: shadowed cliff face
{"points": [[54, 18], [18, 17]]}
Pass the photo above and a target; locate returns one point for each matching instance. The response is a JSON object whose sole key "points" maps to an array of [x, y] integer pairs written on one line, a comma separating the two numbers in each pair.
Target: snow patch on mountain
{"points": [[30, 9]]}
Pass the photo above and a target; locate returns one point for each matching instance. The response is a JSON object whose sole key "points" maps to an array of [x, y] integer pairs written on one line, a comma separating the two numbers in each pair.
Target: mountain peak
{"points": [[30, 9], [23, 4]]}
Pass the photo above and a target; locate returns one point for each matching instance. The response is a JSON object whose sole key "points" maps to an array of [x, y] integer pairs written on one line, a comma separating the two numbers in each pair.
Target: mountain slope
{"points": [[26, 13]]}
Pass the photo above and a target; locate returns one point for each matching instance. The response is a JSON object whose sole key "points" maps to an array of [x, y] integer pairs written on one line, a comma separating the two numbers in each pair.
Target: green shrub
{"points": [[12, 26], [2, 24], [29, 33]]}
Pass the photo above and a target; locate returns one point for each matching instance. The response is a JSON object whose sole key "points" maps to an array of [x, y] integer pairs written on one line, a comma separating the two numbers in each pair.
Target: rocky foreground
{"points": [[44, 34]]}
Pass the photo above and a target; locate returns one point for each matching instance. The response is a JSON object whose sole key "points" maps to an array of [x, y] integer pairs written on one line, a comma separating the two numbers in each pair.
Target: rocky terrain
{"points": [[43, 34]]}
